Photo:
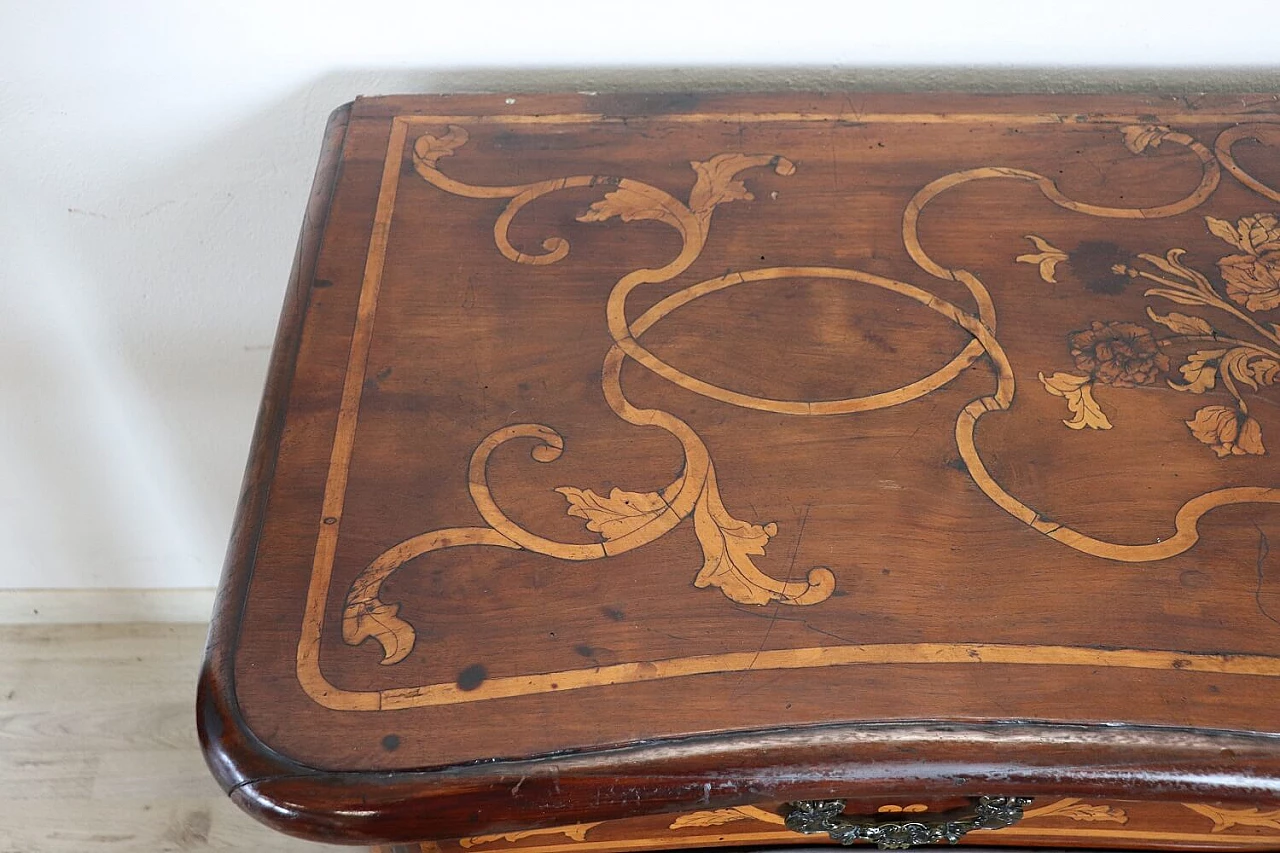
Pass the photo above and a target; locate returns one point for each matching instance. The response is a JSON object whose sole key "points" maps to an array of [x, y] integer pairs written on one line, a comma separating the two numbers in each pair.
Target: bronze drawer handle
{"points": [[814, 816]]}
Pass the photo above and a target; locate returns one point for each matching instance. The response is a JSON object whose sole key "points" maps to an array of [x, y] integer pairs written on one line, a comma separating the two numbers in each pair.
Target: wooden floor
{"points": [[98, 747]]}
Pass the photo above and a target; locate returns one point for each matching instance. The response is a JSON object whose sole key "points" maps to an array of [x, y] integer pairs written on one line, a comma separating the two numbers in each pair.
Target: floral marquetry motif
{"points": [[1252, 278], [646, 472], [1127, 355], [1228, 818]]}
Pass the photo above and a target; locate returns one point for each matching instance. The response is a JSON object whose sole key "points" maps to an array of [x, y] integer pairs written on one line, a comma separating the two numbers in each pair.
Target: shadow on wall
{"points": [[158, 296]]}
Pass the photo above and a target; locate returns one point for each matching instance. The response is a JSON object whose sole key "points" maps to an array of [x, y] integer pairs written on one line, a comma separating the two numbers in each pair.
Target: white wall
{"points": [[155, 157]]}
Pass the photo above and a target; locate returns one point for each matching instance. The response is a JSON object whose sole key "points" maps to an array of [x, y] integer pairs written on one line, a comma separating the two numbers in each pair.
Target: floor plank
{"points": [[98, 750], [82, 606]]}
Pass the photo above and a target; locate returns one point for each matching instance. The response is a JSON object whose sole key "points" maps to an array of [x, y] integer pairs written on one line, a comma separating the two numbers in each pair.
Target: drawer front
{"points": [[1047, 823]]}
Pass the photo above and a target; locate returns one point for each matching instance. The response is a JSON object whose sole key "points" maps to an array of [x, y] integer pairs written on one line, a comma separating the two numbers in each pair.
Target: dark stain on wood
{"points": [[1094, 263], [472, 677]]}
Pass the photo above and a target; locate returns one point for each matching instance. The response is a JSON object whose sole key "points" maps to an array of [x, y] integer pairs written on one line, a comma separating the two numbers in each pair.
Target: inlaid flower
{"points": [[1210, 359], [1228, 431], [1253, 278], [1253, 234], [1117, 353], [1253, 281]]}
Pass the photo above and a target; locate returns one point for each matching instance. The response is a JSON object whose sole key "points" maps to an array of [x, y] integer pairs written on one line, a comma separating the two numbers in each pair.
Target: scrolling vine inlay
{"points": [[624, 520], [1113, 353]]}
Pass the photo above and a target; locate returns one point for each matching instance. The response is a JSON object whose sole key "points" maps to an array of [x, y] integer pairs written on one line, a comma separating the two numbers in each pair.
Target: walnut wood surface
{"points": [[881, 445]]}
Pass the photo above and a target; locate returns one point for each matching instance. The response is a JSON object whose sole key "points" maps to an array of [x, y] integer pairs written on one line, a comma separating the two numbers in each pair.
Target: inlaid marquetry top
{"points": [[598, 421]]}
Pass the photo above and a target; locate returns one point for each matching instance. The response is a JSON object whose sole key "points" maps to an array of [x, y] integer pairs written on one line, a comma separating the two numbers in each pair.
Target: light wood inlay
{"points": [[628, 520]]}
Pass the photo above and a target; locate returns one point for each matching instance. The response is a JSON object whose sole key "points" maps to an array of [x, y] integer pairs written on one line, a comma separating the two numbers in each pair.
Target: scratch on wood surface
{"points": [[777, 606], [1264, 548]]}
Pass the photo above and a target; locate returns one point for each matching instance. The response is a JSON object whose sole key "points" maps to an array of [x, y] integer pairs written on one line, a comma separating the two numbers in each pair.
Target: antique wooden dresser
{"points": [[651, 473]]}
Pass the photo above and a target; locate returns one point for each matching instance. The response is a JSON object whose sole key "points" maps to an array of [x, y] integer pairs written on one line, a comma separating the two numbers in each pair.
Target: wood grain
{"points": [[860, 424], [98, 752], [100, 606]]}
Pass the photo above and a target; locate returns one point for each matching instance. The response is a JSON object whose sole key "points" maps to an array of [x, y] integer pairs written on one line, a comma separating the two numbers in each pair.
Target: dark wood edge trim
{"points": [[233, 753], [721, 771], [849, 104], [867, 760]]}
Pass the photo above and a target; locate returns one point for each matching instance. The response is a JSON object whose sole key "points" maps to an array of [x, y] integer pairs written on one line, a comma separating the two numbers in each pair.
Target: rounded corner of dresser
{"points": [[232, 751], [243, 765], [340, 115]]}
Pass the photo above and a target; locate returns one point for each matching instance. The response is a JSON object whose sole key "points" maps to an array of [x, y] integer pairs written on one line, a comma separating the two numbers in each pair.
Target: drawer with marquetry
{"points": [[1070, 822]]}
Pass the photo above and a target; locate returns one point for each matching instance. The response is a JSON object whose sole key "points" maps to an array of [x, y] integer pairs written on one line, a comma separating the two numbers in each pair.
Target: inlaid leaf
{"points": [[1078, 392], [1200, 371], [618, 514], [727, 548], [1224, 230], [716, 183], [1072, 809], [1252, 234], [1093, 814], [1265, 370], [1047, 258], [1236, 363], [432, 148], [1140, 137], [1224, 819], [718, 817], [1182, 324], [1261, 231], [1172, 264], [363, 620], [630, 205], [577, 832]]}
